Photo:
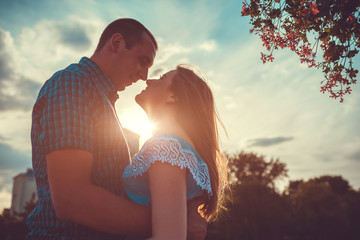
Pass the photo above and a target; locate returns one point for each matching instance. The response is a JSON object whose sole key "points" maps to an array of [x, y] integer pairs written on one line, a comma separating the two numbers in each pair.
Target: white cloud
{"points": [[15, 128], [6, 187], [208, 46], [168, 50], [5, 199], [50, 44]]}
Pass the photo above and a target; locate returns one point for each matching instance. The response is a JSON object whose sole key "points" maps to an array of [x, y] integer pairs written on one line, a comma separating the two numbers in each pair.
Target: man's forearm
{"points": [[77, 199], [99, 209]]}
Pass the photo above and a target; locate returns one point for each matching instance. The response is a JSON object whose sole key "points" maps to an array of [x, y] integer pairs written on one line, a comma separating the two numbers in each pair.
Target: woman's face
{"points": [[157, 94]]}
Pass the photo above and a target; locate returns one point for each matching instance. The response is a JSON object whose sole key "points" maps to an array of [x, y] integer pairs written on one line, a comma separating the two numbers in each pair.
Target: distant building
{"points": [[133, 140], [24, 191]]}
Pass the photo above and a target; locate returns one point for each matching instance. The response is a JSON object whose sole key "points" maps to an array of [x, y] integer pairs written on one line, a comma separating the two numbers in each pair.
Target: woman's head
{"points": [[189, 98], [156, 99], [182, 91]]}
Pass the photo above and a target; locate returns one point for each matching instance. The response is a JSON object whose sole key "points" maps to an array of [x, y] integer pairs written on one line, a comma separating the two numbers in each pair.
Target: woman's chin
{"points": [[138, 99]]}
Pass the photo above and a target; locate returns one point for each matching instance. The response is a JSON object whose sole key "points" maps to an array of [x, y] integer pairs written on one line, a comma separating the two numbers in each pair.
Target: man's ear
{"points": [[171, 98], [117, 42]]}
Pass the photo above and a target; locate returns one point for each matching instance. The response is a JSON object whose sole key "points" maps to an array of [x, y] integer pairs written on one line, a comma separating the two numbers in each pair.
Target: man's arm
{"points": [[77, 199]]}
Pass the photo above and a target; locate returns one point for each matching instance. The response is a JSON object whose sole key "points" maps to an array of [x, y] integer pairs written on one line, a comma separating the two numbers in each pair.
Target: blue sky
{"points": [[274, 109]]}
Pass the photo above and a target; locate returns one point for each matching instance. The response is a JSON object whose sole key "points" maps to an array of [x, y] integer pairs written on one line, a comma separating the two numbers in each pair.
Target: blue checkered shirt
{"points": [[75, 109]]}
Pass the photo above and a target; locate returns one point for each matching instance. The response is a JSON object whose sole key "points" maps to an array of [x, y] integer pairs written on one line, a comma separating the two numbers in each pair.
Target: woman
{"points": [[183, 160]]}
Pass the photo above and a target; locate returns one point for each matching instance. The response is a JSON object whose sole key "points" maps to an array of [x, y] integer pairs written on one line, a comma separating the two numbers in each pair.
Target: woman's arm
{"points": [[168, 201]]}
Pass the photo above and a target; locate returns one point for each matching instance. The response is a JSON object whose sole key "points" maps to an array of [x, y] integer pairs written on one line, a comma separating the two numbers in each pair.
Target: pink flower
{"points": [[245, 10], [313, 8]]}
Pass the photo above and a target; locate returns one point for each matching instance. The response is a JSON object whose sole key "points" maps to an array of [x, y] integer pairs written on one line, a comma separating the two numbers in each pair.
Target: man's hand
{"points": [[77, 199]]}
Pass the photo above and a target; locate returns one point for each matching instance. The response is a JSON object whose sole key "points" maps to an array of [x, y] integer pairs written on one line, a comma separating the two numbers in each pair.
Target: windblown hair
{"points": [[196, 113], [130, 29]]}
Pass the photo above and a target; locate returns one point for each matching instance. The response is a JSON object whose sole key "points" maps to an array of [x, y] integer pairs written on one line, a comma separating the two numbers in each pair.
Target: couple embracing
{"points": [[87, 185]]}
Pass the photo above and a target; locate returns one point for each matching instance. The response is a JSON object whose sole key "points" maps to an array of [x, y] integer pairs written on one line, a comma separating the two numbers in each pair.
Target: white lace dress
{"points": [[167, 149]]}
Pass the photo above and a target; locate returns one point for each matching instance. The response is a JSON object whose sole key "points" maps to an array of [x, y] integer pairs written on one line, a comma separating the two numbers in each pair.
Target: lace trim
{"points": [[169, 149]]}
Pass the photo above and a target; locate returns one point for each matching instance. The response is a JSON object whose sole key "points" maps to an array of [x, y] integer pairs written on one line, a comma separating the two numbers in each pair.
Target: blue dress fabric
{"points": [[166, 149]]}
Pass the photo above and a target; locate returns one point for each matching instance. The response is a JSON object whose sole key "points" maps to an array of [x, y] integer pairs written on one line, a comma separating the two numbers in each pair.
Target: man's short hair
{"points": [[131, 30]]}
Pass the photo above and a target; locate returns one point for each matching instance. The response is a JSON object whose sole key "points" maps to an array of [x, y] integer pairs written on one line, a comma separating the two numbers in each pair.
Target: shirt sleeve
{"points": [[66, 118], [168, 150]]}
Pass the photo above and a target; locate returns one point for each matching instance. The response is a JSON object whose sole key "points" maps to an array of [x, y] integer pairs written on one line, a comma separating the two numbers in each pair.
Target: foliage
{"points": [[251, 168], [324, 207], [303, 25], [253, 190], [12, 225]]}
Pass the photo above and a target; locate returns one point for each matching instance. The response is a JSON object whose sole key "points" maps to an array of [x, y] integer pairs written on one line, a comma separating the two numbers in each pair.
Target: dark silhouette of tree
{"points": [[251, 168], [323, 208], [305, 27], [320, 208], [12, 225], [337, 184], [257, 211]]}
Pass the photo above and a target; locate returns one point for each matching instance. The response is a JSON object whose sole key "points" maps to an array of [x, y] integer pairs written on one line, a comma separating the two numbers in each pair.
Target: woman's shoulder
{"points": [[169, 139], [175, 150], [165, 146]]}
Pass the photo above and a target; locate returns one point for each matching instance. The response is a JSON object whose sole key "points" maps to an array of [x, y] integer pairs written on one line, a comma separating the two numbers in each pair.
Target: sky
{"points": [[273, 109]]}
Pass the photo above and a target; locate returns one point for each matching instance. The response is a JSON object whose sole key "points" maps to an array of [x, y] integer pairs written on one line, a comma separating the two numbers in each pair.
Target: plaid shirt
{"points": [[75, 109]]}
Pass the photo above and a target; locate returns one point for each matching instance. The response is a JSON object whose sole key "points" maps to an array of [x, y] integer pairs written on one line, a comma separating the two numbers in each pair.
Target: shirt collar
{"points": [[102, 81]]}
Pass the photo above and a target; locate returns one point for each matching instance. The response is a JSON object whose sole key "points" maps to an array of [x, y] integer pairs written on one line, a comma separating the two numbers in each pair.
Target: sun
{"points": [[138, 122]]}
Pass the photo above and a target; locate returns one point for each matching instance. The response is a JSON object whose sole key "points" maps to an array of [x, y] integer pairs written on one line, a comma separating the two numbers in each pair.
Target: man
{"points": [[79, 149]]}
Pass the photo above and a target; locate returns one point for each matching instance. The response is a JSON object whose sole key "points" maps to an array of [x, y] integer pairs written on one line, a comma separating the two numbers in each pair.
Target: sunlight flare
{"points": [[137, 122]]}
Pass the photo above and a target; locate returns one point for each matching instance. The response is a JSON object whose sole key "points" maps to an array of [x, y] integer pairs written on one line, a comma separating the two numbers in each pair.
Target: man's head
{"points": [[126, 50]]}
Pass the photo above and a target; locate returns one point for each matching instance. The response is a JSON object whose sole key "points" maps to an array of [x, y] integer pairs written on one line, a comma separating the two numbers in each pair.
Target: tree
{"points": [[12, 225], [256, 211], [251, 168], [323, 208], [303, 25]]}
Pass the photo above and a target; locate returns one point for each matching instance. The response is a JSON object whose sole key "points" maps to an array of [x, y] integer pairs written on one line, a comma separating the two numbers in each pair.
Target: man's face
{"points": [[133, 64]]}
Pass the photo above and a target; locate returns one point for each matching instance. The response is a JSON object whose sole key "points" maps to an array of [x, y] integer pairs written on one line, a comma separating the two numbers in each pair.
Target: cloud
{"points": [[50, 43], [5, 72], [2, 138], [169, 49], [208, 46], [266, 142], [16, 90], [5, 197], [26, 63], [13, 159], [355, 155], [73, 36], [156, 72], [6, 180]]}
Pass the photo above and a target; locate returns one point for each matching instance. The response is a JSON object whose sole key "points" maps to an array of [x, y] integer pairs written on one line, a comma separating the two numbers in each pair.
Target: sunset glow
{"points": [[137, 121]]}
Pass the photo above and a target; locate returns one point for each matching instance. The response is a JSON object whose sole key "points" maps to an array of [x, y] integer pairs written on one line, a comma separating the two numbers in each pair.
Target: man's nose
{"points": [[149, 81], [144, 74]]}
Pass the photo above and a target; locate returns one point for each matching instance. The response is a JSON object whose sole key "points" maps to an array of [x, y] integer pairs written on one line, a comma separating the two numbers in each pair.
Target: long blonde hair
{"points": [[196, 113]]}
